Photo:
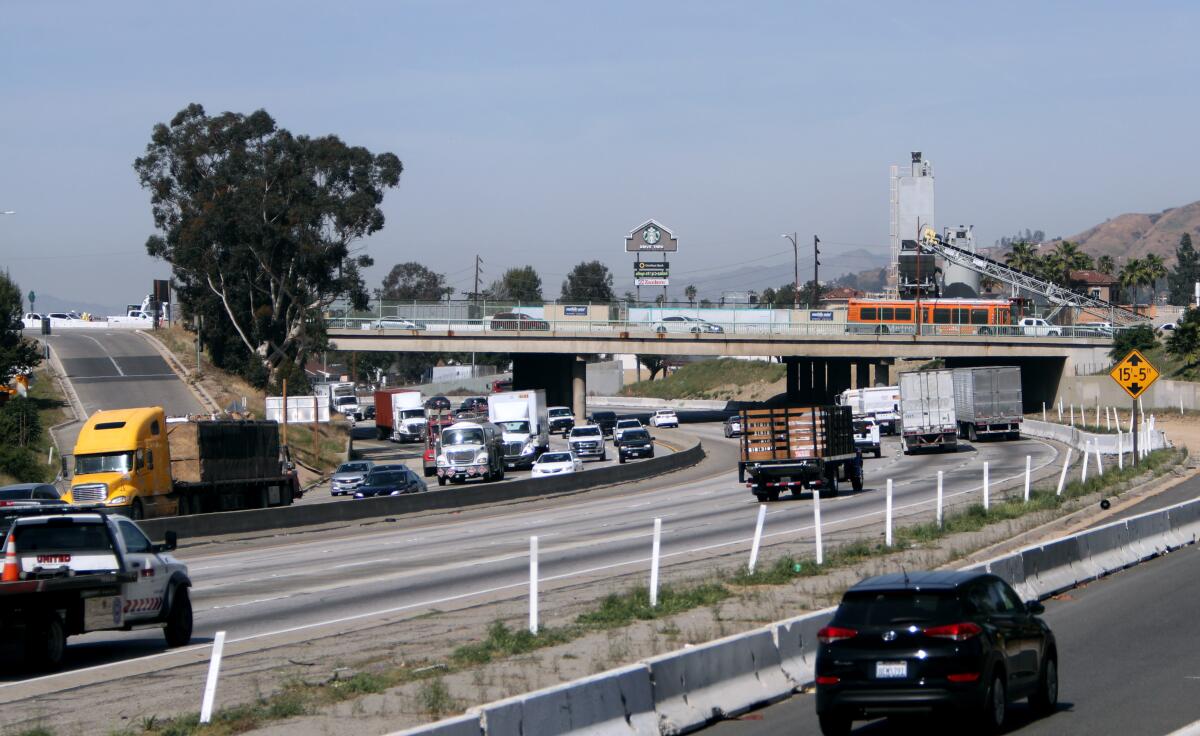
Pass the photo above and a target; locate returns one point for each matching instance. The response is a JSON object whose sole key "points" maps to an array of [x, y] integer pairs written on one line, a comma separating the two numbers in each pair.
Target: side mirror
{"points": [[1035, 607], [172, 540]]}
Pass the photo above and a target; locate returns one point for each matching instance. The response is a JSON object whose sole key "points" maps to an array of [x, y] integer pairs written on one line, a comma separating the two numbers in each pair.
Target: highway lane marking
{"points": [[106, 353], [362, 562], [245, 603]]}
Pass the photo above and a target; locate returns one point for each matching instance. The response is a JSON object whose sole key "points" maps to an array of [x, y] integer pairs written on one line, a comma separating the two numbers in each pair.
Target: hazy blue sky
{"points": [[542, 132]]}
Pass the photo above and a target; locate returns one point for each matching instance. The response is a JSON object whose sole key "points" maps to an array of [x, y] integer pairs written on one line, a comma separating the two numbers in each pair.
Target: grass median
{"points": [[427, 681]]}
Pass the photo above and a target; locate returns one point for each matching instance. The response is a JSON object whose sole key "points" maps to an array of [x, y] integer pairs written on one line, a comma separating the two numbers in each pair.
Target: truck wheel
{"points": [[47, 644], [971, 433], [831, 483], [878, 452], [621, 459], [381, 433], [136, 511], [178, 630], [441, 481], [430, 472], [856, 482]]}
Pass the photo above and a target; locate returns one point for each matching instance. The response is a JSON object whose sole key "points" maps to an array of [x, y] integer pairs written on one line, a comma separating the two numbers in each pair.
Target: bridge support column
{"points": [[862, 374], [799, 380], [793, 379], [820, 384], [562, 376], [579, 389], [881, 374], [839, 376]]}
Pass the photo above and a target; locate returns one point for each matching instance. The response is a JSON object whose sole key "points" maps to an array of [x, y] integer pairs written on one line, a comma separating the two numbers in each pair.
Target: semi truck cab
{"points": [[123, 461]]}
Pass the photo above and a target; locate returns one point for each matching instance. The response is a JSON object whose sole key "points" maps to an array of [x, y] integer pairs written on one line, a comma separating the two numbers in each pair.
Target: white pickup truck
{"points": [[69, 571]]}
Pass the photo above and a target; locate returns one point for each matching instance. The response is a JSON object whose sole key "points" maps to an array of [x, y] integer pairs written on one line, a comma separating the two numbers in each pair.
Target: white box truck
{"points": [[524, 422], [881, 403], [927, 418], [987, 402]]}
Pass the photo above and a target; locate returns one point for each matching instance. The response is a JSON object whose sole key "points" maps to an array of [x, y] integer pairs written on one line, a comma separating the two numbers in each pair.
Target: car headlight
{"points": [[441, 460], [481, 457], [118, 500], [528, 448]]}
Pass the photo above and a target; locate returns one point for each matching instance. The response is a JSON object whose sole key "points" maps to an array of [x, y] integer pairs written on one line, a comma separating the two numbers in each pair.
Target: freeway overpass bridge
{"points": [[823, 359]]}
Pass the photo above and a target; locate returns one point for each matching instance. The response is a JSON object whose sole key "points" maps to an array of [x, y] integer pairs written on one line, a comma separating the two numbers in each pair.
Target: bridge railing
{"points": [[667, 327]]}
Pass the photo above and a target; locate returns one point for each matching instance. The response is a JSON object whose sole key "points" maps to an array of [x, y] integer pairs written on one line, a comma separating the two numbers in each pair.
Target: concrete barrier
{"points": [[1079, 439], [796, 640], [614, 703], [719, 679], [465, 725], [450, 497], [637, 402]]}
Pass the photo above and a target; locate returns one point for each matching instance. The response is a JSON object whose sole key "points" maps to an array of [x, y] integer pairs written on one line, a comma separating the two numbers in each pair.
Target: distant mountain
{"points": [[51, 303], [1135, 235]]}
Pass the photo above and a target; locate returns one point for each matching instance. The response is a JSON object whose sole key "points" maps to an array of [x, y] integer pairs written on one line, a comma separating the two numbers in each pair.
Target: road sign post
{"points": [[1134, 374]]}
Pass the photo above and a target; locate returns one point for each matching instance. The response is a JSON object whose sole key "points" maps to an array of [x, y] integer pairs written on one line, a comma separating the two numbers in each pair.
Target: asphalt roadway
{"points": [[279, 585], [1129, 663], [116, 369]]}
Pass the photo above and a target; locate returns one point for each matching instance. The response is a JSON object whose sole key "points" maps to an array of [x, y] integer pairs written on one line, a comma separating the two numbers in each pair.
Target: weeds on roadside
{"points": [[502, 641], [622, 609]]}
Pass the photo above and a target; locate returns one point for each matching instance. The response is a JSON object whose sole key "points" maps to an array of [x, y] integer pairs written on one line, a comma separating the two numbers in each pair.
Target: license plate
{"points": [[891, 670]]}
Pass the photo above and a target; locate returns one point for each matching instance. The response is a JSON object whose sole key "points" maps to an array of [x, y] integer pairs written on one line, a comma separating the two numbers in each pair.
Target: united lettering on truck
{"points": [[48, 559]]}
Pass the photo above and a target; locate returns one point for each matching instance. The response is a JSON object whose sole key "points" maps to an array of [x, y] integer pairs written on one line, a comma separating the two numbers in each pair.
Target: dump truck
{"points": [[927, 418], [139, 462], [68, 571], [988, 402], [399, 415], [797, 449]]}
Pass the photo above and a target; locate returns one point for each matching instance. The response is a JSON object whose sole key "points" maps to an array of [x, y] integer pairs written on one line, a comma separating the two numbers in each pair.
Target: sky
{"points": [[541, 133]]}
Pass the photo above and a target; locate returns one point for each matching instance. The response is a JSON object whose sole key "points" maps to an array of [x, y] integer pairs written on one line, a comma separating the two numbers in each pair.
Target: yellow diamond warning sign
{"points": [[1134, 374]]}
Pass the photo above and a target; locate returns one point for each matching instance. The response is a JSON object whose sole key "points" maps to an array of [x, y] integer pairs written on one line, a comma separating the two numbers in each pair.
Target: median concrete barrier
{"points": [[716, 680], [796, 640], [637, 402], [465, 725], [614, 703], [451, 497]]}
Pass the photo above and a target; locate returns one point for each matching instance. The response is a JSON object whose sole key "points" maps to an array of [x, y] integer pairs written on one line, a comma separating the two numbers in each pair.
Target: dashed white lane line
{"points": [[362, 562], [106, 353]]}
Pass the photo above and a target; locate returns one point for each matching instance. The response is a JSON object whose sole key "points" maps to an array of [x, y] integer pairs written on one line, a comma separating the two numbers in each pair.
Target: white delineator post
{"points": [[1083, 471], [939, 500], [533, 585], [758, 526], [1060, 409], [1120, 451], [1099, 463], [214, 670], [1043, 411], [887, 515], [1097, 416], [1107, 420], [1117, 419], [817, 528], [1062, 477], [1028, 466], [985, 485], [654, 563], [1072, 415]]}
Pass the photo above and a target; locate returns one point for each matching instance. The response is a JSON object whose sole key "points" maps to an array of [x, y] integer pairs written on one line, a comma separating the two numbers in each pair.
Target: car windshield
{"points": [[57, 536], [345, 400], [462, 437], [560, 412], [862, 426], [516, 426], [412, 414], [17, 494], [108, 462], [585, 432], [635, 434], [626, 423], [386, 478], [555, 457], [353, 468], [885, 608]]}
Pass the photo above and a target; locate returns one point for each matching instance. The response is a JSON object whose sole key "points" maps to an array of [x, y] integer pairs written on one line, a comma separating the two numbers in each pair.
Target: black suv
{"points": [[635, 443], [606, 420], [931, 641]]}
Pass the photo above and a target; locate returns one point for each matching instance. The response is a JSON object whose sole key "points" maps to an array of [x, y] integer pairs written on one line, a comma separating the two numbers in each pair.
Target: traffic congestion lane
{"points": [[368, 447], [1128, 662]]}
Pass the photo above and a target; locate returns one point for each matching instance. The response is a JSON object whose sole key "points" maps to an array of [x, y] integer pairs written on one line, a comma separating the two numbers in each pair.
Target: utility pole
{"points": [[815, 296], [796, 283], [475, 295]]}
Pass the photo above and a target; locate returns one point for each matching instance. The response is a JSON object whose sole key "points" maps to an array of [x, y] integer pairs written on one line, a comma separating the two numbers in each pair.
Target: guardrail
{"points": [[687, 689], [623, 328], [456, 497]]}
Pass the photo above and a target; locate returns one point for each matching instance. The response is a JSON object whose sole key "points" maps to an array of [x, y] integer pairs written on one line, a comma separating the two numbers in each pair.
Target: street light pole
{"points": [[796, 283]]}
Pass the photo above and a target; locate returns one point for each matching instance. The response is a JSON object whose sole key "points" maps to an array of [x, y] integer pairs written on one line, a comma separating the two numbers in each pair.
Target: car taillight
{"points": [[828, 680], [963, 677], [954, 632], [830, 634]]}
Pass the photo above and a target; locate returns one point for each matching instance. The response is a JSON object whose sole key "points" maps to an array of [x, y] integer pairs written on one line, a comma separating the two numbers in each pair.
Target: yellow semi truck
{"points": [[140, 462]]}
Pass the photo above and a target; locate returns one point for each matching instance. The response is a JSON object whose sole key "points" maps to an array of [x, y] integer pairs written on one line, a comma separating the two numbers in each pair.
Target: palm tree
{"points": [[1022, 257], [1155, 270], [1072, 257], [1052, 267], [690, 293], [1106, 265], [1133, 275]]}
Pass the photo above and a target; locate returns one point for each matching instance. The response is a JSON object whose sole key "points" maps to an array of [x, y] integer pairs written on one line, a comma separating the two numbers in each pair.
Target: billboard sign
{"points": [[575, 311], [651, 237], [821, 316], [651, 269], [652, 282]]}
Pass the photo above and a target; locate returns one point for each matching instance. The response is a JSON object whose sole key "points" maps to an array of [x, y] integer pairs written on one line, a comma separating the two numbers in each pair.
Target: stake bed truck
{"points": [[797, 449]]}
